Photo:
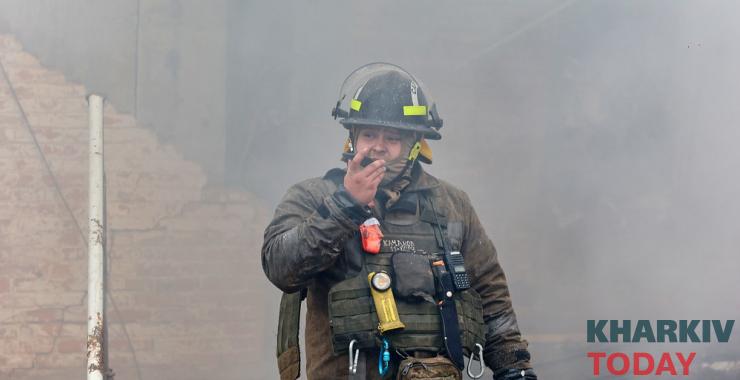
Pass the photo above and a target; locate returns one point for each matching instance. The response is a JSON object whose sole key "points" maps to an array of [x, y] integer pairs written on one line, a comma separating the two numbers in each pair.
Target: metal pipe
{"points": [[96, 366]]}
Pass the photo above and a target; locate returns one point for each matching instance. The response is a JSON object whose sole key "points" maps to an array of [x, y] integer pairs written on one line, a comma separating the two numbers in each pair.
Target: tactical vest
{"points": [[352, 312]]}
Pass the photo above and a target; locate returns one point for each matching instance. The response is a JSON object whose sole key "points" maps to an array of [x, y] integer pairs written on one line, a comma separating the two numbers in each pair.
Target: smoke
{"points": [[595, 139]]}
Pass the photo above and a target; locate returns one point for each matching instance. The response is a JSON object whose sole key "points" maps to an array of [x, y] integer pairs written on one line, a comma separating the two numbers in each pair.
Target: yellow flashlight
{"points": [[385, 304]]}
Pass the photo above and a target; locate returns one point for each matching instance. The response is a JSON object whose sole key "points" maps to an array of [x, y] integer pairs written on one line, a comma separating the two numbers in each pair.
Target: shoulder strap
{"points": [[436, 218], [289, 321]]}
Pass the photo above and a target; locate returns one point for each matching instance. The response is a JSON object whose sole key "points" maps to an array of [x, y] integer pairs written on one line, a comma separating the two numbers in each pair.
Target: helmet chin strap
{"points": [[410, 159]]}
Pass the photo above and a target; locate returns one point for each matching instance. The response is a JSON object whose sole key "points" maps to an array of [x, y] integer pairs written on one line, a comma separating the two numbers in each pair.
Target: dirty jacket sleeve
{"points": [[505, 348], [305, 237]]}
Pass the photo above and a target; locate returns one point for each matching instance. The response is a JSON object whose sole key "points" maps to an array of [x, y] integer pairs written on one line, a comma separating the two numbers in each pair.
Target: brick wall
{"points": [[183, 260]]}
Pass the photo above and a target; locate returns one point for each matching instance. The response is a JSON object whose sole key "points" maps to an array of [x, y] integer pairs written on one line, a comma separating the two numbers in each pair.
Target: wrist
{"points": [[350, 206], [515, 374]]}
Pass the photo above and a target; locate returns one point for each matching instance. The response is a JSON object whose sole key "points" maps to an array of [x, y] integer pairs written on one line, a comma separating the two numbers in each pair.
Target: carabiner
{"points": [[353, 355], [480, 362], [384, 358]]}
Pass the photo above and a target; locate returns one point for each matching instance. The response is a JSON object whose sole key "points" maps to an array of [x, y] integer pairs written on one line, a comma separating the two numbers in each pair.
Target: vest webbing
{"points": [[353, 317], [289, 322], [352, 314]]}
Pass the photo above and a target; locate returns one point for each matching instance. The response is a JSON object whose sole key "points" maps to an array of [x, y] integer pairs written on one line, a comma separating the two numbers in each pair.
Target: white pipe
{"points": [[96, 366]]}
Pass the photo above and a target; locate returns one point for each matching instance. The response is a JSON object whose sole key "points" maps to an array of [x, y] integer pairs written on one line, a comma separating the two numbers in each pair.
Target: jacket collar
{"points": [[421, 180]]}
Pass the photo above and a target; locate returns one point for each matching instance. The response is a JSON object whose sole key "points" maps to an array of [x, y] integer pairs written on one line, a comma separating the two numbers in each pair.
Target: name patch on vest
{"points": [[397, 245]]}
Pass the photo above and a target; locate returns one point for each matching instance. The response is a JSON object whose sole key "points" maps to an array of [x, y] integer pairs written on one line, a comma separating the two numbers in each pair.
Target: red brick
{"points": [[56, 105], [36, 343], [129, 315], [71, 345], [69, 329], [49, 329], [16, 360], [19, 58], [15, 305], [44, 315], [35, 75], [113, 120], [8, 106], [4, 285], [49, 374], [42, 90], [9, 330], [121, 344], [61, 360]]}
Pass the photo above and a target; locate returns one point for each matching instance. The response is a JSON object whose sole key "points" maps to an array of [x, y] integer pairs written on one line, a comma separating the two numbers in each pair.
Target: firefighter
{"points": [[399, 276]]}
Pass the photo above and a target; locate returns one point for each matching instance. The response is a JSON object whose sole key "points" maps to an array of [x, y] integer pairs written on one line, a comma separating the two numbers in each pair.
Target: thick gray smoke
{"points": [[595, 139]]}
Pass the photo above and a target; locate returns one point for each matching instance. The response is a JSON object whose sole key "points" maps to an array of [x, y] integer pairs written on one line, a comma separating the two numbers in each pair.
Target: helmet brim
{"points": [[426, 131]]}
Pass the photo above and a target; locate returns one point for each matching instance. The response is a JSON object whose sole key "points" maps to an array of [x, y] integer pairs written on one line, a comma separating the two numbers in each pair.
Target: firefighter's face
{"points": [[383, 143]]}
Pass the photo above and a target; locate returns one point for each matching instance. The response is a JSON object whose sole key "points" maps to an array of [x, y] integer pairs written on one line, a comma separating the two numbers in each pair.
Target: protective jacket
{"points": [[310, 246]]}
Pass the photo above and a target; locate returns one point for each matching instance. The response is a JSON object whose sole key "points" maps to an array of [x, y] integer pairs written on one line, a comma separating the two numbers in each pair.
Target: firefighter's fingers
{"points": [[378, 173], [353, 165], [375, 182], [370, 169], [375, 165], [375, 173]]}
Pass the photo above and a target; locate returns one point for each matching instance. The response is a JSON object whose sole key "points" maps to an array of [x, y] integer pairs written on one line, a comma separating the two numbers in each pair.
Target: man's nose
{"points": [[379, 146]]}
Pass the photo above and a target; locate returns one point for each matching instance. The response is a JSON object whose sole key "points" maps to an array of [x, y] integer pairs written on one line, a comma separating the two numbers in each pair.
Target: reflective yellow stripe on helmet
{"points": [[355, 105], [414, 110]]}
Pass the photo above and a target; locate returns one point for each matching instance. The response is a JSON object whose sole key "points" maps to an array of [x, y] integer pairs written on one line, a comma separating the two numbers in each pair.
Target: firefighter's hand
{"points": [[362, 183]]}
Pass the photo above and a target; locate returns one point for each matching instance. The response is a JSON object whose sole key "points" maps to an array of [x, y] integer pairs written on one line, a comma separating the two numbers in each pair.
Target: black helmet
{"points": [[385, 95]]}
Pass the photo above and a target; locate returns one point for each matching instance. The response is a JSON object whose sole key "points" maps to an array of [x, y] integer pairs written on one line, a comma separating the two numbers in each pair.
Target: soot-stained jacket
{"points": [[302, 249]]}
